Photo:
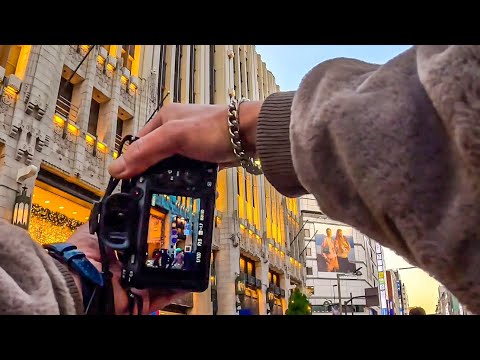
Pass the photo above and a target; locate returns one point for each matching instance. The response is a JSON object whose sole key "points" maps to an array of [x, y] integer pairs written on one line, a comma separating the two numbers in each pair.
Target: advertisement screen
{"points": [[334, 248]]}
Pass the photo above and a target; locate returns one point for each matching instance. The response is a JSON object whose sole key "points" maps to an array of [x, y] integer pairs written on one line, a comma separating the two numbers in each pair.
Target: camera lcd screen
{"points": [[174, 233]]}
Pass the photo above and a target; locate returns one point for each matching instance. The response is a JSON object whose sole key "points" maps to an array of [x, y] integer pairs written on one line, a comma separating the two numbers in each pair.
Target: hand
{"points": [[195, 131], [88, 244]]}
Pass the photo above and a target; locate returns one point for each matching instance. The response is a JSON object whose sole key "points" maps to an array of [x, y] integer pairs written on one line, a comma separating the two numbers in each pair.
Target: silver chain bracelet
{"points": [[246, 161]]}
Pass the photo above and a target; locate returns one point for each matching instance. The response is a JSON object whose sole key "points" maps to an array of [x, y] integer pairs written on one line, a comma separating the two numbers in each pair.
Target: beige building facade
{"points": [[63, 111]]}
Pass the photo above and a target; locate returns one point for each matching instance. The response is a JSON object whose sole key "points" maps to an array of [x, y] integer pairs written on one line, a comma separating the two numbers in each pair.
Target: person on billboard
{"points": [[342, 248], [329, 253]]}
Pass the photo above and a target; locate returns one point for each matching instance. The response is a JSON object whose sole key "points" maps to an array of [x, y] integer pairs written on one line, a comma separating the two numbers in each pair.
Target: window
{"points": [[247, 266], [9, 55], [309, 271], [128, 55], [310, 290], [193, 55], [93, 118], [307, 233], [212, 74], [254, 180], [273, 278], [309, 251], [177, 78], [64, 99]]}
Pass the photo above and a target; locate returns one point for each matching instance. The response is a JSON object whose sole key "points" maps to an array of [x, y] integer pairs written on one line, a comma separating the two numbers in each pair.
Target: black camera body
{"points": [[161, 225]]}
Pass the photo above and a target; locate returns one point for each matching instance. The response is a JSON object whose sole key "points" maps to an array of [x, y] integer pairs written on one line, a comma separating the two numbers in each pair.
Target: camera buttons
{"points": [[137, 193]]}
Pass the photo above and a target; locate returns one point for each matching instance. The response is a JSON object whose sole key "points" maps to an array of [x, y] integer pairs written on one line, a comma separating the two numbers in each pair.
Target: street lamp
{"points": [[357, 272], [270, 299], [21, 209], [240, 290]]}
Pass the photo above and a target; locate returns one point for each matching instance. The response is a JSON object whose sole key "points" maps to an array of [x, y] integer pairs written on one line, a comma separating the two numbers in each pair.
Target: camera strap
{"points": [[106, 298]]}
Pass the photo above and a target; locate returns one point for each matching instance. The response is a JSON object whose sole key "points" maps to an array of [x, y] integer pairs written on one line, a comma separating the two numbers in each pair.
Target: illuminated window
{"points": [[307, 233], [247, 266], [128, 56], [309, 271], [310, 290], [273, 278], [9, 55]]}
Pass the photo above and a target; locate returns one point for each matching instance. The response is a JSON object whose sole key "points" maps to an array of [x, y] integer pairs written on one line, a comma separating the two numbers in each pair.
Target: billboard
{"points": [[334, 248]]}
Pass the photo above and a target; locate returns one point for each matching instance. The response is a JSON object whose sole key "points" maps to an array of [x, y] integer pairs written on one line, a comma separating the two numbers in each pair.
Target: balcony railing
{"points": [[66, 109]]}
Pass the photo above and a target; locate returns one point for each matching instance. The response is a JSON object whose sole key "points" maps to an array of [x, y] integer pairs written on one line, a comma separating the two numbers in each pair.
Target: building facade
{"points": [[64, 110], [448, 304], [396, 293], [334, 253]]}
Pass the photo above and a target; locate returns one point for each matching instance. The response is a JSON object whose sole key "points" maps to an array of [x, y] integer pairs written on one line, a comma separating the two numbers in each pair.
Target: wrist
{"points": [[248, 119]]}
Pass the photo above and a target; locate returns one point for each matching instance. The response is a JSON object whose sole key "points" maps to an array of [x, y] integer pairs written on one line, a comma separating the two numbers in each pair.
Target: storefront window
{"points": [[55, 214]]}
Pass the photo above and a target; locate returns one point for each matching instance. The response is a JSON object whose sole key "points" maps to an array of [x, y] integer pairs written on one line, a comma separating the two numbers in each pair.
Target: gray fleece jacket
{"points": [[393, 150]]}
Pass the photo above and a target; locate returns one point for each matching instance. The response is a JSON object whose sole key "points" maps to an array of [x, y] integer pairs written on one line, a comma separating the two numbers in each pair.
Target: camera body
{"points": [[161, 225]]}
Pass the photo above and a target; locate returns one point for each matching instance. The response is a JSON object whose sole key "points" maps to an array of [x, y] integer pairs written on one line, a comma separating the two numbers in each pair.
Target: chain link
{"points": [[246, 161]]}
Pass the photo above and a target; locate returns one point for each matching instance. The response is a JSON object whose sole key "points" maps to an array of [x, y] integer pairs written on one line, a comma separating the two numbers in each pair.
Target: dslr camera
{"points": [[160, 225]]}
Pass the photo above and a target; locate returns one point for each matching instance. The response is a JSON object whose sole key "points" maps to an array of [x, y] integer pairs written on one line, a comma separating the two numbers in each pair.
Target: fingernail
{"points": [[117, 167]]}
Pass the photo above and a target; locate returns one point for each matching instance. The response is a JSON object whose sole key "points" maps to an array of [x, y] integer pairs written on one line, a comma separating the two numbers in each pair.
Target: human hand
{"points": [[152, 299], [195, 131]]}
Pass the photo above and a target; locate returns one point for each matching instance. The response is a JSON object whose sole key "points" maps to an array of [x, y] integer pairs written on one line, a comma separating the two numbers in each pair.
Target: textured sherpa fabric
{"points": [[393, 150]]}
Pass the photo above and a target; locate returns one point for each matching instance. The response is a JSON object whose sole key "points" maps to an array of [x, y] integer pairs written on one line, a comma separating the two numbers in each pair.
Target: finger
{"points": [[173, 111], [157, 145]]}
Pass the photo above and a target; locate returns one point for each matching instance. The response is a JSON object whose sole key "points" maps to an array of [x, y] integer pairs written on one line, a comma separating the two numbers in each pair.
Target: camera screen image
{"points": [[173, 232]]}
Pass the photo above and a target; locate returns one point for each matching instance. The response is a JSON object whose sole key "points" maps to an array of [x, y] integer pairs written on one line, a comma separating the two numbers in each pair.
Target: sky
{"points": [[289, 63]]}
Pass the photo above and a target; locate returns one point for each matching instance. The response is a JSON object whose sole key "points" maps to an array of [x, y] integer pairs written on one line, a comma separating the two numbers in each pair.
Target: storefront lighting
{"points": [[61, 207], [47, 201], [102, 147], [74, 213]]}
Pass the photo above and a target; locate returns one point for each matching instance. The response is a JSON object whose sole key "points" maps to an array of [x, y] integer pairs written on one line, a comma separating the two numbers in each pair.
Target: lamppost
{"points": [[240, 291], [357, 272], [270, 299]]}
